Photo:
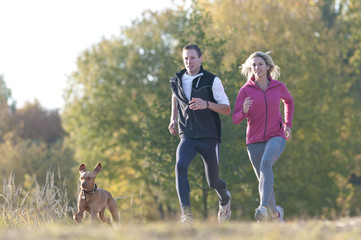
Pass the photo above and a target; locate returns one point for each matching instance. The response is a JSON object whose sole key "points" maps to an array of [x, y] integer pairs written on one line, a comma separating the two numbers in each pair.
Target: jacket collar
{"points": [[272, 83]]}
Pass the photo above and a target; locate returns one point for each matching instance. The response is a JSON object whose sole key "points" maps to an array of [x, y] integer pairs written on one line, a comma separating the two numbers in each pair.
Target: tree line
{"points": [[33, 142]]}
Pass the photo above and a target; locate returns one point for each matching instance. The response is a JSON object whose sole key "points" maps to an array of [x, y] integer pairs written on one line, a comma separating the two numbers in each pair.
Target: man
{"points": [[198, 97]]}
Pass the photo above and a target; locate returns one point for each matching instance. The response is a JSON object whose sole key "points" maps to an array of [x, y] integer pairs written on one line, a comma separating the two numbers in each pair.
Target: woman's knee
{"points": [[266, 164]]}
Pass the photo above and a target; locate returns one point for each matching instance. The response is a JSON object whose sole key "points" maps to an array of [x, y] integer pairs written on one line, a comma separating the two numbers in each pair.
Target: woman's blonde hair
{"points": [[274, 71]]}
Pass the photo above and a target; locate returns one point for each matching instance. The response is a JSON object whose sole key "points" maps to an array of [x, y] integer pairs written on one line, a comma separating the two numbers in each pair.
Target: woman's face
{"points": [[259, 67]]}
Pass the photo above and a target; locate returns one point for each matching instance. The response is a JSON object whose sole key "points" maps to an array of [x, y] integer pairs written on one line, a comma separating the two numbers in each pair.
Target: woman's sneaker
{"points": [[224, 213], [281, 214], [260, 214], [186, 218]]}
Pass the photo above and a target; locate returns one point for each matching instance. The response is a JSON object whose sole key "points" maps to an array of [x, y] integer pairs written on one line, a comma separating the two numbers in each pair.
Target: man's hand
{"points": [[197, 104], [173, 128]]}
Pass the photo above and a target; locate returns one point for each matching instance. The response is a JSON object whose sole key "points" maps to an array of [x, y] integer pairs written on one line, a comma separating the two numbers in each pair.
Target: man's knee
{"points": [[180, 168], [217, 184], [212, 185]]}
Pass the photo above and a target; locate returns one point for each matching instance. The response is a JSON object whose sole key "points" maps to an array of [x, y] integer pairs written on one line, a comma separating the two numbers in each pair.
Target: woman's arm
{"points": [[238, 114]]}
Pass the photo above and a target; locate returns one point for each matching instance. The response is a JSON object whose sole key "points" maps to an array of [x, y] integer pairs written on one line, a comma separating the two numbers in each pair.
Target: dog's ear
{"points": [[98, 167], [82, 168]]}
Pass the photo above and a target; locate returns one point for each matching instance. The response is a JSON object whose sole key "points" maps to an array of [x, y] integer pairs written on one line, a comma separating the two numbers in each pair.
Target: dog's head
{"points": [[87, 179]]}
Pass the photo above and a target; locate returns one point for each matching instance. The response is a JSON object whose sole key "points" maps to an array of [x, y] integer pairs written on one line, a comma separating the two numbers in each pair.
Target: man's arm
{"points": [[173, 125], [198, 104], [222, 106]]}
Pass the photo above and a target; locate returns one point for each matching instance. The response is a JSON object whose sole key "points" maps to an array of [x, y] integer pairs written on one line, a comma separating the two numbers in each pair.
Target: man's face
{"points": [[192, 62]]}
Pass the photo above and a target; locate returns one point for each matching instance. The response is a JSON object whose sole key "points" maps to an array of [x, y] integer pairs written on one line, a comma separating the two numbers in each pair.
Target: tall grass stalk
{"points": [[41, 205]]}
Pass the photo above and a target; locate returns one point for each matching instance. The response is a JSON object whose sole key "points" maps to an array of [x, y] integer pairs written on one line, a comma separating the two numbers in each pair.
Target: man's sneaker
{"points": [[186, 218], [281, 214], [260, 214], [224, 213]]}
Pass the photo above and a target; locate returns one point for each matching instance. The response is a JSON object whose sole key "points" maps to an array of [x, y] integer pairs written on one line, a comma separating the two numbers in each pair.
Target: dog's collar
{"points": [[92, 191]]}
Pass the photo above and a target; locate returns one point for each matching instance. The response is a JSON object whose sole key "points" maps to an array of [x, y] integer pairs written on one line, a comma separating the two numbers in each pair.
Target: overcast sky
{"points": [[41, 39]]}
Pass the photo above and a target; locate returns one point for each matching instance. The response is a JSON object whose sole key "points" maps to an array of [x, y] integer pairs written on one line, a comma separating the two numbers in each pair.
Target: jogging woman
{"points": [[259, 101]]}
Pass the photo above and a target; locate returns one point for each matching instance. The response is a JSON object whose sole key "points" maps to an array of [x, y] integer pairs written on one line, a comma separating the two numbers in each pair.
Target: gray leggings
{"points": [[263, 155]]}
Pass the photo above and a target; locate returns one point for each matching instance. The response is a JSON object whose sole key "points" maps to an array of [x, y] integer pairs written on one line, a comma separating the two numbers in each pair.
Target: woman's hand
{"points": [[247, 104], [288, 132]]}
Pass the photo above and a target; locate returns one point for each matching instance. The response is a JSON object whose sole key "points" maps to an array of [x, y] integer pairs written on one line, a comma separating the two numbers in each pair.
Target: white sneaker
{"points": [[224, 213], [260, 214], [186, 218], [280, 216]]}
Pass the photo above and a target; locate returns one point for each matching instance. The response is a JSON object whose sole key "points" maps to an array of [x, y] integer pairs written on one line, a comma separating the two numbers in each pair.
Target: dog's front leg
{"points": [[93, 216], [79, 216]]}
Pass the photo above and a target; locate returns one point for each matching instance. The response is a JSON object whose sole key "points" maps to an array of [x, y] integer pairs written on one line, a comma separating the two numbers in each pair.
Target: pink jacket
{"points": [[264, 119]]}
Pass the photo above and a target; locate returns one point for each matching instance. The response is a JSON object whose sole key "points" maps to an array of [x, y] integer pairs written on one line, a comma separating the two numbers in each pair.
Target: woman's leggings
{"points": [[209, 151], [263, 155]]}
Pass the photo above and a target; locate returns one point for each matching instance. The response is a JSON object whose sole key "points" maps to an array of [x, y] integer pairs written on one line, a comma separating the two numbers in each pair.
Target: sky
{"points": [[40, 41]]}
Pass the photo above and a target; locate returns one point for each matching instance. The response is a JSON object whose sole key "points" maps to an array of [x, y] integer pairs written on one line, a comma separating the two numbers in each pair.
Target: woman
{"points": [[259, 101]]}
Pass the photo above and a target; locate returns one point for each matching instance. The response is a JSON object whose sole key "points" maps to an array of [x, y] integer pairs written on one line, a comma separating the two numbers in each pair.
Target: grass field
{"points": [[44, 214], [305, 230]]}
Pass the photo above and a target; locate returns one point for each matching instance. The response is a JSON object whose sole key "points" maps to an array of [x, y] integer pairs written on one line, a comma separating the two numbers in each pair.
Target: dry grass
{"points": [[44, 213], [40, 206], [297, 230]]}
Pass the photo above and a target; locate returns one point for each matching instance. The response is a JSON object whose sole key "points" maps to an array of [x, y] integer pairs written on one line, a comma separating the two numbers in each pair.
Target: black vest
{"points": [[203, 123]]}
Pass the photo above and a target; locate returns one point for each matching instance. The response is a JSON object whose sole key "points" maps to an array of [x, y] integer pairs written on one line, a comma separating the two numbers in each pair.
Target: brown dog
{"points": [[92, 199]]}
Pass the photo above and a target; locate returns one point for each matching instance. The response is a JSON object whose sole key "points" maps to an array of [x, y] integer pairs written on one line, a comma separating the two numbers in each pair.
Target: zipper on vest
{"points": [[199, 78], [195, 130]]}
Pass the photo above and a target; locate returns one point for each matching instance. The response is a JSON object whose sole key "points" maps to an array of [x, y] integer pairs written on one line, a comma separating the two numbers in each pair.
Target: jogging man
{"points": [[198, 97]]}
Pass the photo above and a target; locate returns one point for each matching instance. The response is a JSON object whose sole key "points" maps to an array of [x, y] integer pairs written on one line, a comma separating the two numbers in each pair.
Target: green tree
{"points": [[305, 38], [7, 106], [350, 129]]}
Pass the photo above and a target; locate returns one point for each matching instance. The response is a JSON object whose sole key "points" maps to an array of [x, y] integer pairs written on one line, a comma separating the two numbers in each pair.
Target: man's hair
{"points": [[195, 47]]}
